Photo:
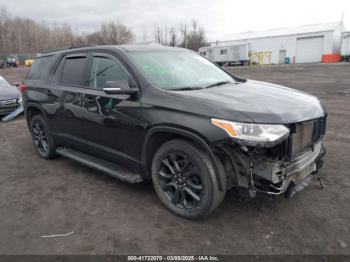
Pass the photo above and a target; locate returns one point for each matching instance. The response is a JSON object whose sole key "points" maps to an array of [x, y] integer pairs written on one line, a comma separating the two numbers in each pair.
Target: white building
{"points": [[345, 47], [303, 44]]}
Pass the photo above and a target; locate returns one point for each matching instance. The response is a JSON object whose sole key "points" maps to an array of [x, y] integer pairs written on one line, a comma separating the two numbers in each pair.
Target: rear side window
{"points": [[40, 64], [72, 70]]}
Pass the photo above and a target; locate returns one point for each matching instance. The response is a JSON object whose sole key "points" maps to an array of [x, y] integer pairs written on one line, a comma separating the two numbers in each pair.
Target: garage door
{"points": [[309, 50]]}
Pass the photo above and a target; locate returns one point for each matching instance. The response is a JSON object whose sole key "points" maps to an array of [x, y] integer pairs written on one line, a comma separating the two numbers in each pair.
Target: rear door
{"points": [[72, 78], [111, 121]]}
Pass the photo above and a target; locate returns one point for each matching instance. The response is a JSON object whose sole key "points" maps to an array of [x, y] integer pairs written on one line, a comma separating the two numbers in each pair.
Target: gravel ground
{"points": [[39, 197]]}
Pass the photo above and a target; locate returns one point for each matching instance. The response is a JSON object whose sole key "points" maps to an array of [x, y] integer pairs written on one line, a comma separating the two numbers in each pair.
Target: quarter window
{"points": [[39, 65], [104, 69]]}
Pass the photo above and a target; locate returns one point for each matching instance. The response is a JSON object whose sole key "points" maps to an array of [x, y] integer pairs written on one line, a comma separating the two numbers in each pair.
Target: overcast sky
{"points": [[218, 17]]}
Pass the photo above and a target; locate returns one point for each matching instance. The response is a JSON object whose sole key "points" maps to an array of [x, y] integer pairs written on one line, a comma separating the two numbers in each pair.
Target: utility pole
{"points": [[158, 36], [185, 37], [166, 35], [173, 39], [341, 30]]}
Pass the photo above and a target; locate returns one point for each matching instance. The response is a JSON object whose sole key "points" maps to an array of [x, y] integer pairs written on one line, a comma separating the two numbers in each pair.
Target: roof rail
{"points": [[65, 48], [54, 50], [78, 46]]}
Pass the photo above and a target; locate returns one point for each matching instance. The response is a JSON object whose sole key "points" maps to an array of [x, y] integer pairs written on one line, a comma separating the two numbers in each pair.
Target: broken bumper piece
{"points": [[13, 114], [254, 173], [287, 177]]}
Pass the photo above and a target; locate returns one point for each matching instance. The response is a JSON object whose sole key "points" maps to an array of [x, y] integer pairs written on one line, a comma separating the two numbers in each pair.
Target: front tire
{"points": [[42, 140], [184, 180]]}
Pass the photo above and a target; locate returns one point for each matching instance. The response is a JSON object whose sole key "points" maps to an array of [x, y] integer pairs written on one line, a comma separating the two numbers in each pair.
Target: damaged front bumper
{"points": [[255, 171], [11, 113], [288, 177]]}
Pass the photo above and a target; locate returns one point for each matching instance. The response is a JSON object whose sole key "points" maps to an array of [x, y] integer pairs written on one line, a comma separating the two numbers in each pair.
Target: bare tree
{"points": [[25, 36], [115, 33], [110, 33], [183, 32], [158, 35], [173, 37], [194, 38]]}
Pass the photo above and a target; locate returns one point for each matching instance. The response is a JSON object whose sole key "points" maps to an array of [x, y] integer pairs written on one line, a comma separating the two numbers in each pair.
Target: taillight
{"points": [[22, 88]]}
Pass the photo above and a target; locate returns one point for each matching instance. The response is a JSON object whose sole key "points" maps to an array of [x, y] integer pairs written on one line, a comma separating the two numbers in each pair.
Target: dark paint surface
{"points": [[260, 101], [114, 126], [40, 197]]}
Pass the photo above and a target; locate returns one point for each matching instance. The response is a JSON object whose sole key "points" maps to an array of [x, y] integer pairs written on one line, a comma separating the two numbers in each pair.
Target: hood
{"points": [[9, 92], [261, 102]]}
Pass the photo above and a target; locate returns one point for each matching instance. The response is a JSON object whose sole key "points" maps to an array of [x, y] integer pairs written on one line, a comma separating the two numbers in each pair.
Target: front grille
{"points": [[8, 102], [7, 106], [305, 134], [7, 110]]}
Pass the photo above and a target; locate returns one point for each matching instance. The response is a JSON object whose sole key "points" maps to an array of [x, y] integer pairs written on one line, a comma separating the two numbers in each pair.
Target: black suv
{"points": [[11, 62], [170, 115]]}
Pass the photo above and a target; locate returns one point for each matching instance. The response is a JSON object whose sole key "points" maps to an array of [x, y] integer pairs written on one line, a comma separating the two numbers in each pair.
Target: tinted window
{"points": [[103, 70], [40, 64], [73, 71]]}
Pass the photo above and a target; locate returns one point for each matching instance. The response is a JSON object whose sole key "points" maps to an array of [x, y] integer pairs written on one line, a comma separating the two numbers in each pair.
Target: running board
{"points": [[104, 166]]}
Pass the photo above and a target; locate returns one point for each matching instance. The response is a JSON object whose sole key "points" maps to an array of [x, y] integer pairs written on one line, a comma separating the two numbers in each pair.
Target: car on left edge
{"points": [[10, 97]]}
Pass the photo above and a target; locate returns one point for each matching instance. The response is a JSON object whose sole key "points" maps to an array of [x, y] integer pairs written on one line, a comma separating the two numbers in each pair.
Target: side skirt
{"points": [[104, 166]]}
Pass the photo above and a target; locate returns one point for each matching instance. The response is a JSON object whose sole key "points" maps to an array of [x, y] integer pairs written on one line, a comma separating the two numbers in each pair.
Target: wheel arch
{"points": [[32, 109], [158, 135]]}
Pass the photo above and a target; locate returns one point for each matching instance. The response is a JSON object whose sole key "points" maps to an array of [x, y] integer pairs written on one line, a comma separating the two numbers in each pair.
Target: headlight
{"points": [[20, 99], [251, 132]]}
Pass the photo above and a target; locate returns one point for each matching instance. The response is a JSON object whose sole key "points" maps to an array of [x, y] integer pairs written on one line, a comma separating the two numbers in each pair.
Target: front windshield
{"points": [[4, 83], [171, 70]]}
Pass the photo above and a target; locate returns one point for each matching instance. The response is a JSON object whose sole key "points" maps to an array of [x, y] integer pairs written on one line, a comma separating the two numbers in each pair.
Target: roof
{"points": [[126, 48], [282, 31], [139, 48]]}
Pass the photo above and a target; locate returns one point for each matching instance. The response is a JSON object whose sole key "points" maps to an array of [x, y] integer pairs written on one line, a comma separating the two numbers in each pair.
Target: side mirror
{"points": [[119, 87], [16, 84]]}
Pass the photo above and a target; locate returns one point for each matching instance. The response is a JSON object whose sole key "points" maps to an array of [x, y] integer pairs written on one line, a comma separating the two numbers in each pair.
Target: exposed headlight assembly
{"points": [[252, 132]]}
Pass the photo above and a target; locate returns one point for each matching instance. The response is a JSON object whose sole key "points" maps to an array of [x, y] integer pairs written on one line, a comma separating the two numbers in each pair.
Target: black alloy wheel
{"points": [[41, 137], [180, 180], [184, 179]]}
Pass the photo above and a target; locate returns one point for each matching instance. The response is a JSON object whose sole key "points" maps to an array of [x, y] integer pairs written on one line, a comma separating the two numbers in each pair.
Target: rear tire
{"points": [[184, 179], [42, 140]]}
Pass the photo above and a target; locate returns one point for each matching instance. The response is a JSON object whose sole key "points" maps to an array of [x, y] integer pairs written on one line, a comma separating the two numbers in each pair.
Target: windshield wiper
{"points": [[185, 88], [220, 83]]}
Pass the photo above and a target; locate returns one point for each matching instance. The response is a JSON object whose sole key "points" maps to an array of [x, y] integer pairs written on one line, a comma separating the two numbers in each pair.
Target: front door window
{"points": [[103, 70]]}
